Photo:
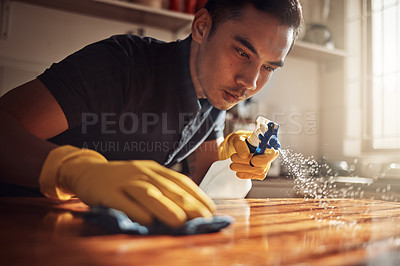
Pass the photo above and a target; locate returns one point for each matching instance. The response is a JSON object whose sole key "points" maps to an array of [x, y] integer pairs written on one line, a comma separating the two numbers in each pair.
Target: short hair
{"points": [[289, 12]]}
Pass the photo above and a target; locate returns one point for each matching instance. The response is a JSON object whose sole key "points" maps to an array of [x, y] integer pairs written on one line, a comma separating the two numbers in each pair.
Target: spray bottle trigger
{"points": [[252, 149], [274, 142]]}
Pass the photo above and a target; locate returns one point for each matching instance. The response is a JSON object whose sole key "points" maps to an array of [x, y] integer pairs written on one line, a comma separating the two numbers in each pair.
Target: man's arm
{"points": [[143, 190], [29, 114], [201, 159]]}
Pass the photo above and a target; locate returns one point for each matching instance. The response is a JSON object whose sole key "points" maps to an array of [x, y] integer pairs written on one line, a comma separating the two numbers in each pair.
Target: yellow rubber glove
{"points": [[235, 147], [261, 164], [227, 148], [143, 190]]}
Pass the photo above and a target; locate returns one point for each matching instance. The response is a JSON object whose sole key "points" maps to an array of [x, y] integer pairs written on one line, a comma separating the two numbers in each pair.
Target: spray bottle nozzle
{"points": [[265, 136], [269, 139]]}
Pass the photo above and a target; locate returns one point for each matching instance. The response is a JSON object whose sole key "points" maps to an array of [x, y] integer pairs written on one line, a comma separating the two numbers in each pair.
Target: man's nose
{"points": [[248, 78]]}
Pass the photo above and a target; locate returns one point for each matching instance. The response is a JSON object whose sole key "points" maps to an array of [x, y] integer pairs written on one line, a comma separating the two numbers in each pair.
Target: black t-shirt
{"points": [[130, 97]]}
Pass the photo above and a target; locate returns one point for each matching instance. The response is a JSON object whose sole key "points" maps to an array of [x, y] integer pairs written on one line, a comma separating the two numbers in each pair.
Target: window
{"points": [[383, 72]]}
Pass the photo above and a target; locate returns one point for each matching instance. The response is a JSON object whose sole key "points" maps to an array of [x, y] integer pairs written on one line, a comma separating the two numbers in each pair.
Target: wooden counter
{"points": [[36, 231]]}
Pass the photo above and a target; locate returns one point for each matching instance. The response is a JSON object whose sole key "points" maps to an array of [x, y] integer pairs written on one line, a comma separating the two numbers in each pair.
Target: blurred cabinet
{"points": [[272, 188], [322, 37], [121, 11], [324, 27], [313, 51], [177, 21]]}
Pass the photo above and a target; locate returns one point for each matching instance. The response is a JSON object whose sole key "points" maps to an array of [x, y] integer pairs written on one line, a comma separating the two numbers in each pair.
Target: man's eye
{"points": [[243, 54], [269, 69]]}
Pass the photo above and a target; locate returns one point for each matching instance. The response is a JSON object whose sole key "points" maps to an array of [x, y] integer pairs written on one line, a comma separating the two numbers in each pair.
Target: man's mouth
{"points": [[233, 98]]}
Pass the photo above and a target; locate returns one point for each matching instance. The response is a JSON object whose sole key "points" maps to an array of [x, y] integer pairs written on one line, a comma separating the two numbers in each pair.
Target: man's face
{"points": [[239, 58]]}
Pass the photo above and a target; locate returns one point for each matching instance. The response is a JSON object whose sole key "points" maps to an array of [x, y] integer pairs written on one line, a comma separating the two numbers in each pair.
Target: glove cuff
{"points": [[48, 180], [223, 148]]}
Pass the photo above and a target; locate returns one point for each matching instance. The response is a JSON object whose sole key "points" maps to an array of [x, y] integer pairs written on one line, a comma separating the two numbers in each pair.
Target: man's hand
{"points": [[244, 163], [228, 147], [144, 190], [261, 164]]}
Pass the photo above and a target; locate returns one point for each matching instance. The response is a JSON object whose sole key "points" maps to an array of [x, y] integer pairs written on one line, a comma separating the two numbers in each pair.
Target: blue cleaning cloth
{"points": [[116, 222]]}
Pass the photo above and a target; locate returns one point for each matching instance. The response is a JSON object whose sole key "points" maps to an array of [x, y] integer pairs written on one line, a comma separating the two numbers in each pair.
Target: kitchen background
{"points": [[335, 99]]}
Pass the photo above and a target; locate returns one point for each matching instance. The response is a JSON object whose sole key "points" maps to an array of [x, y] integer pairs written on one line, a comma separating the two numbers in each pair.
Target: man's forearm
{"points": [[21, 154], [200, 160]]}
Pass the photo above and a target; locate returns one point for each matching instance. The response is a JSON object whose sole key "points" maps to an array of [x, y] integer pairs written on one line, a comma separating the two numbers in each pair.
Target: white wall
{"points": [[292, 100]]}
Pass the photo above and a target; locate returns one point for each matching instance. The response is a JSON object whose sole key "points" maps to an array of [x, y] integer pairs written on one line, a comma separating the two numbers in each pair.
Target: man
{"points": [[146, 105]]}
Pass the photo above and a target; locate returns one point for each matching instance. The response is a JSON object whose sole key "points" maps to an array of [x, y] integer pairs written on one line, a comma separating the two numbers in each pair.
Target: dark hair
{"points": [[289, 12]]}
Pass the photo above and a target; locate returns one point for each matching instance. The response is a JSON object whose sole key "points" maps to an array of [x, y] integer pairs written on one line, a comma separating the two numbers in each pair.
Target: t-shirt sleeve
{"points": [[219, 125], [93, 80]]}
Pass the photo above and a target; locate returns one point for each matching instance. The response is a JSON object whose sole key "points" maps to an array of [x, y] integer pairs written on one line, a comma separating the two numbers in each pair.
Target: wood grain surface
{"points": [[37, 231]]}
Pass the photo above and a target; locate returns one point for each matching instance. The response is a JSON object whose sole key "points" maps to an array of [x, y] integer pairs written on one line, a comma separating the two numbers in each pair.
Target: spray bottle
{"points": [[221, 182]]}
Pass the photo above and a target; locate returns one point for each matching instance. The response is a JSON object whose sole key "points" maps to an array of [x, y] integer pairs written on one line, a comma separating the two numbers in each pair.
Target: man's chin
{"points": [[223, 106]]}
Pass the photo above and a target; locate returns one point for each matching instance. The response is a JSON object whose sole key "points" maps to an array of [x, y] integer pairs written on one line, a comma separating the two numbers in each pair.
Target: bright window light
{"points": [[385, 76]]}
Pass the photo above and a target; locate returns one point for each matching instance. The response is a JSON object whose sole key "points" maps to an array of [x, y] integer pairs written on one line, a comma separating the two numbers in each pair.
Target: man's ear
{"points": [[201, 25]]}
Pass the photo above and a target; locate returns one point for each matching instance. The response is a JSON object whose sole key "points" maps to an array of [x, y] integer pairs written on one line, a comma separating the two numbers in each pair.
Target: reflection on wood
{"points": [[266, 231]]}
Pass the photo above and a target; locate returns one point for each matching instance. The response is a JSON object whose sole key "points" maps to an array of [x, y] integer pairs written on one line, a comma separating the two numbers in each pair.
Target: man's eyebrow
{"points": [[249, 46], [246, 43], [277, 63]]}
